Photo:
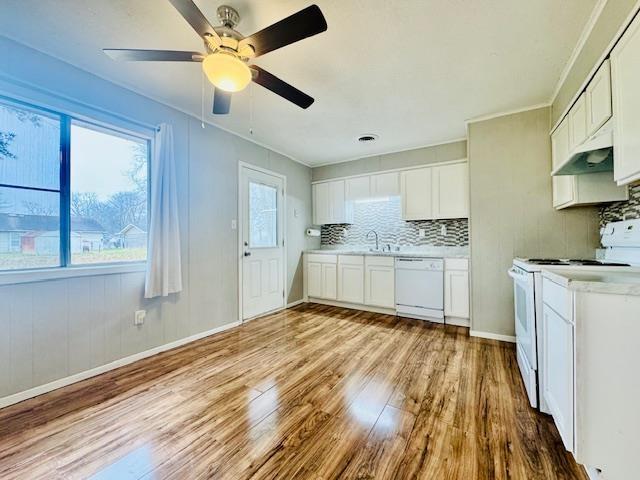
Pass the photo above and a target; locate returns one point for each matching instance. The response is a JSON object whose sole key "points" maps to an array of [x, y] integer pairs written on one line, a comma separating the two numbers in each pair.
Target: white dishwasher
{"points": [[420, 288]]}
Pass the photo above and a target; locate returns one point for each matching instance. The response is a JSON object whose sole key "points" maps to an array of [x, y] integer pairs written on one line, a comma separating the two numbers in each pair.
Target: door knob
{"points": [[247, 254]]}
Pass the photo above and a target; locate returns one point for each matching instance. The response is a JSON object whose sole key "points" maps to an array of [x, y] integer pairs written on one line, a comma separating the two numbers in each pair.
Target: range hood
{"points": [[593, 156]]}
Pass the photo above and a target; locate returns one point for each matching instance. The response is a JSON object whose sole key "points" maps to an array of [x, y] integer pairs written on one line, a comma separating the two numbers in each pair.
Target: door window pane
{"points": [[29, 147], [29, 229], [263, 216], [108, 196]]}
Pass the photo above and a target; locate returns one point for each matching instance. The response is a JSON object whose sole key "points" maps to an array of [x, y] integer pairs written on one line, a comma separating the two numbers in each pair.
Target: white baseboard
{"points": [[63, 382], [353, 306], [296, 303], [457, 321], [493, 336]]}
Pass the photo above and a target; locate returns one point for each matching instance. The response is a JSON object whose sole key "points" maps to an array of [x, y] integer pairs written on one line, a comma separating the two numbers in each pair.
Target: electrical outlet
{"points": [[443, 230], [422, 232], [138, 317]]}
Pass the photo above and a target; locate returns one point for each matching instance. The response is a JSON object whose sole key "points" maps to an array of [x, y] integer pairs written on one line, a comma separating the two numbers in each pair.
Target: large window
{"points": [[70, 192]]}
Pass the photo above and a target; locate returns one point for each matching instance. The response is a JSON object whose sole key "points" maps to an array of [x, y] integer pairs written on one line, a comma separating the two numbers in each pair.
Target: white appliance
{"points": [[622, 243], [420, 288]]}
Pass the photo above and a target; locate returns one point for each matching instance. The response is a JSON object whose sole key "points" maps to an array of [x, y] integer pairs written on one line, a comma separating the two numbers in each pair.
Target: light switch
{"points": [[422, 232], [234, 224]]}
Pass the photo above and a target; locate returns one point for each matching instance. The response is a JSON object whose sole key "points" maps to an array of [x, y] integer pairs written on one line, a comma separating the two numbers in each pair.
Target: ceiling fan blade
{"points": [[221, 102], [305, 23], [196, 19], [280, 87], [130, 55]]}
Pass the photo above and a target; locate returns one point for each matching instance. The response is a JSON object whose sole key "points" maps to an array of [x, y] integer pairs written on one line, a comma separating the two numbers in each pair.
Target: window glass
{"points": [[29, 148], [263, 215], [29, 188], [29, 229], [108, 196]]}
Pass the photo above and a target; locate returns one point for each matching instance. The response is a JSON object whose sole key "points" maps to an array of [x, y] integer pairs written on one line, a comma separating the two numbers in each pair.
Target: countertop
{"points": [[596, 281], [431, 252]]}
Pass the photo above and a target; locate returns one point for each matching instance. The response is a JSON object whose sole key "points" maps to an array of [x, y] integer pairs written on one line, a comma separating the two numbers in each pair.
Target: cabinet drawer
{"points": [[558, 298], [350, 259], [456, 264], [321, 258], [379, 261]]}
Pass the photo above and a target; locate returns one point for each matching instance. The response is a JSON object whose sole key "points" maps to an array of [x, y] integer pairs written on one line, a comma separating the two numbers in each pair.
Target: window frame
{"points": [[66, 268]]}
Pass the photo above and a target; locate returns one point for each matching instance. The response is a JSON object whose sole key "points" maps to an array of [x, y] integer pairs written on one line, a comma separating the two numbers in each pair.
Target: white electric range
{"points": [[622, 252]]}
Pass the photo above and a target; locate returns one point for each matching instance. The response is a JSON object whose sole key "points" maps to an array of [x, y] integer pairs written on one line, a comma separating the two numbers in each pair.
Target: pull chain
{"points": [[202, 100], [251, 109]]}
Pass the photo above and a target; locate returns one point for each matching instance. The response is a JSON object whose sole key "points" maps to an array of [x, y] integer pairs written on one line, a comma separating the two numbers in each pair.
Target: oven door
{"points": [[525, 313]]}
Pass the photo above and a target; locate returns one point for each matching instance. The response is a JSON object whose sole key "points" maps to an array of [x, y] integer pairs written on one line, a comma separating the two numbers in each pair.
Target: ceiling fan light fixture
{"points": [[226, 72]]}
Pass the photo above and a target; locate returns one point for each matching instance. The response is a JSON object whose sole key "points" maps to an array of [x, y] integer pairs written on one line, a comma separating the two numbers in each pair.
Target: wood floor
{"points": [[313, 392]]}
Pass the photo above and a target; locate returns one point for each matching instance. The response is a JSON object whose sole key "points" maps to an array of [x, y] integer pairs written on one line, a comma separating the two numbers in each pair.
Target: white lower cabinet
{"points": [[351, 278], [456, 287], [322, 276], [558, 355], [370, 280], [379, 282]]}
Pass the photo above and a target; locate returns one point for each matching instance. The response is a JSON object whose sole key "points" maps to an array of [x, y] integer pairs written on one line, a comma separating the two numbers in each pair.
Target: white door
{"points": [[261, 220]]}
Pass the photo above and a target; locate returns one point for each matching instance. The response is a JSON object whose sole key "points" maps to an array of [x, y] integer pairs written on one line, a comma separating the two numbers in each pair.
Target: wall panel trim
{"points": [[63, 382]]}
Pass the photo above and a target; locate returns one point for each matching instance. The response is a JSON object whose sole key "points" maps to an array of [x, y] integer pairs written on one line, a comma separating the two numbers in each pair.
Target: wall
{"points": [[612, 17], [385, 217], [50, 330], [390, 161], [512, 213]]}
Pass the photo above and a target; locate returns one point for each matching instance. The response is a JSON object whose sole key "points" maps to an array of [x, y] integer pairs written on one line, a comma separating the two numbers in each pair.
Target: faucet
{"points": [[376, 234]]}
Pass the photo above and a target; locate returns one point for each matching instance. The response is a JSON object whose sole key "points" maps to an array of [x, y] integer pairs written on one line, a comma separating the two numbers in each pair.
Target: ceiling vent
{"points": [[367, 138]]}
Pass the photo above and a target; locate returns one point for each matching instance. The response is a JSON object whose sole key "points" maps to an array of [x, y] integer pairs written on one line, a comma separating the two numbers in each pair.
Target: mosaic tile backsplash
{"points": [[617, 211], [384, 216]]}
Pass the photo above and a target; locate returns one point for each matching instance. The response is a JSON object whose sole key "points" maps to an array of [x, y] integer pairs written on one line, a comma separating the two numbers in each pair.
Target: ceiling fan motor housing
{"points": [[228, 16]]}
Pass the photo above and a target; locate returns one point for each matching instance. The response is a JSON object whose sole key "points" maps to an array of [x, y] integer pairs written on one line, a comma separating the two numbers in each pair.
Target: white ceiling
{"points": [[411, 71]]}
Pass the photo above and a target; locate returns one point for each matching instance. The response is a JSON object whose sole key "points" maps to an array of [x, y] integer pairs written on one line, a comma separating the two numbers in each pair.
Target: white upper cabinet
{"points": [[625, 75], [450, 191], [441, 191], [415, 188], [321, 201], [385, 184], [598, 95], [357, 188], [562, 184], [329, 204], [578, 122]]}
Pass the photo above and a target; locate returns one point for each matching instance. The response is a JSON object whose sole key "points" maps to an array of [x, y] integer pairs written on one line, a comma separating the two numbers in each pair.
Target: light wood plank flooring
{"points": [[312, 392]]}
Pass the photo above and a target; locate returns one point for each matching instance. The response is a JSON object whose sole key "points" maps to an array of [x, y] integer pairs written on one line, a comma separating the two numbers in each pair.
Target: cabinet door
{"points": [[385, 184], [625, 76], [451, 191], [321, 204], [380, 286], [558, 372], [337, 210], [599, 99], [416, 192], [329, 281], [578, 122], [351, 283], [314, 279], [563, 191], [357, 188], [456, 293]]}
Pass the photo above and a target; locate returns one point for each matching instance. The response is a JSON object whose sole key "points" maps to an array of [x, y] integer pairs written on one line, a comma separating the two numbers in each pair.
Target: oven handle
{"points": [[515, 275]]}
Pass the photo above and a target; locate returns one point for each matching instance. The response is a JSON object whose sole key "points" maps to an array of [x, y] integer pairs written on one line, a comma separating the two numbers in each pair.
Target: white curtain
{"points": [[164, 275]]}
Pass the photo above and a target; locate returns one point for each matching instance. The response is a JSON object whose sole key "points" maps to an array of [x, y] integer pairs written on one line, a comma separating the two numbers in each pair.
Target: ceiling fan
{"points": [[227, 52]]}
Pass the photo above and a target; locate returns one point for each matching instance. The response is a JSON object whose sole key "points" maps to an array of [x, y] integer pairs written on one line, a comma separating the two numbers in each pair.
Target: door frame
{"points": [[240, 227]]}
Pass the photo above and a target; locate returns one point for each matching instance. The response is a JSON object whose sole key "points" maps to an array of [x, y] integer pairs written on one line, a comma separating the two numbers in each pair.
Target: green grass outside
{"points": [[15, 261]]}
